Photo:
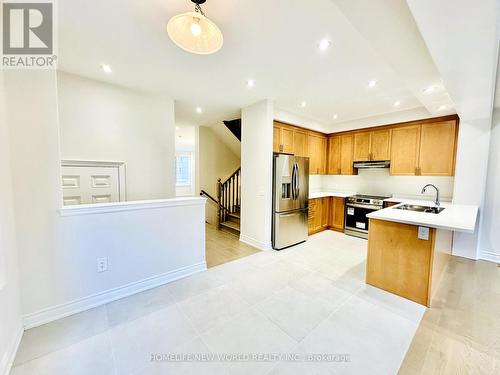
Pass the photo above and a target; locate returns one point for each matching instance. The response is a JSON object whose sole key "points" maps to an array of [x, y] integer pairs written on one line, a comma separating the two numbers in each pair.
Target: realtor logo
{"points": [[28, 35]]}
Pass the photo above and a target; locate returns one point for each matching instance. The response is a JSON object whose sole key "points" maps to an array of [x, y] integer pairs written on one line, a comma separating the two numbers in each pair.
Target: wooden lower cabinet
{"points": [[401, 263], [337, 214], [326, 213]]}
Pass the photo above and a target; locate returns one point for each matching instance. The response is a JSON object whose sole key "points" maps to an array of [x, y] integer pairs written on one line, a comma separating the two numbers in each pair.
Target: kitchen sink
{"points": [[416, 208]]}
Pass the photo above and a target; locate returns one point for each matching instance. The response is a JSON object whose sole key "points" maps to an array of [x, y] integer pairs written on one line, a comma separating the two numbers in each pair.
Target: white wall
{"points": [[469, 78], [35, 162], [256, 173], [379, 181], [490, 233], [99, 121], [470, 179], [227, 137], [216, 160], [10, 310], [57, 255]]}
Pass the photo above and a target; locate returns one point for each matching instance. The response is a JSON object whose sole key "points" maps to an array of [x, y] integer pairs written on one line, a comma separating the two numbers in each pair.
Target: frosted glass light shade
{"points": [[203, 38]]}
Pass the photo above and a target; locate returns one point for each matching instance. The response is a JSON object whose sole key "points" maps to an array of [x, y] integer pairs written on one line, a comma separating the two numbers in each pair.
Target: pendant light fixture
{"points": [[194, 32]]}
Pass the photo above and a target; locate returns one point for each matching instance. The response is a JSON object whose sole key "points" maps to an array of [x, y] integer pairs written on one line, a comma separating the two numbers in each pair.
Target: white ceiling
{"points": [[273, 42]]}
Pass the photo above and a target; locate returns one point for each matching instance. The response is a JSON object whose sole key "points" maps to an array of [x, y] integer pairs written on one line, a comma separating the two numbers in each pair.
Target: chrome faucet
{"points": [[437, 202]]}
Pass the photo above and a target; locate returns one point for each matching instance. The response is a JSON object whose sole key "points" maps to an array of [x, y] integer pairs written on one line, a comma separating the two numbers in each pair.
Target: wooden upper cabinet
{"points": [[282, 138], [428, 149], [316, 145], [405, 150], [362, 146], [380, 144], [333, 155], [373, 145], [437, 149], [276, 139], [300, 143], [346, 154], [287, 140]]}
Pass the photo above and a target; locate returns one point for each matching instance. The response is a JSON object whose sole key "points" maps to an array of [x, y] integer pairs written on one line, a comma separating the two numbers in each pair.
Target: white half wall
{"points": [[58, 255], [216, 160], [100, 121], [256, 173], [10, 311], [146, 244]]}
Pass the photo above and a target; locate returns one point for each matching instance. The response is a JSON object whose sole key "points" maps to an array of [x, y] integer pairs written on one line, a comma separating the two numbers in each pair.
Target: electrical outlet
{"points": [[102, 264], [423, 233]]}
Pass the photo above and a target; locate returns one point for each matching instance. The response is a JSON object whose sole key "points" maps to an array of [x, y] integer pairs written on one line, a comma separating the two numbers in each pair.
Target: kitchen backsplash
{"points": [[380, 182]]}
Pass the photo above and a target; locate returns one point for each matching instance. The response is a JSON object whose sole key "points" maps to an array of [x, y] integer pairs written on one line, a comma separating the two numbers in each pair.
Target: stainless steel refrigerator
{"points": [[290, 200]]}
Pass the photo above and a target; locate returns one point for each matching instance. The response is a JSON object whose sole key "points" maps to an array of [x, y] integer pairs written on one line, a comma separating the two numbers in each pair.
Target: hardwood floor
{"points": [[460, 334], [223, 247]]}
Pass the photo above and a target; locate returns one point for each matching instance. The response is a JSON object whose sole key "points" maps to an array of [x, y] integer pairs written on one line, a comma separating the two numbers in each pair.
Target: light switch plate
{"points": [[423, 233]]}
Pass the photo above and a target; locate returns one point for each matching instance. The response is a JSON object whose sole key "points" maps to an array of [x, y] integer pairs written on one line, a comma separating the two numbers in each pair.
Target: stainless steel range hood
{"points": [[372, 164]]}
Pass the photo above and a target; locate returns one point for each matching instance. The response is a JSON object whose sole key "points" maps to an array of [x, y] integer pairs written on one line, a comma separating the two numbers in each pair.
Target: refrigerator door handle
{"points": [[297, 181], [294, 197]]}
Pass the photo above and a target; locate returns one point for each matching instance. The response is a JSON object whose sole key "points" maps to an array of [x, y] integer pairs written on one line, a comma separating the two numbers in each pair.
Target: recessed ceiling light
{"points": [[303, 104], [397, 103], [442, 107], [335, 116], [250, 83], [429, 90], [324, 44], [372, 83], [199, 110], [106, 68]]}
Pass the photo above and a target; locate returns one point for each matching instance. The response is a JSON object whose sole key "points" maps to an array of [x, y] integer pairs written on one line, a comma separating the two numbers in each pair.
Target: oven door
{"points": [[355, 218]]}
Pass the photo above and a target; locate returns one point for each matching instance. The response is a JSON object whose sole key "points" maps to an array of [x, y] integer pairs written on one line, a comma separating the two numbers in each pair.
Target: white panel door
{"points": [[89, 185]]}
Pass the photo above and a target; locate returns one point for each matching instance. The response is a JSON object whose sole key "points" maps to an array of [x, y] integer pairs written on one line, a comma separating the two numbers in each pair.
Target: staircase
{"points": [[229, 197]]}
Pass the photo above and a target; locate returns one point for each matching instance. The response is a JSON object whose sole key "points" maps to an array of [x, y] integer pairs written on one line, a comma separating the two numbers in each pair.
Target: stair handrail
{"points": [[204, 193], [232, 175], [228, 196]]}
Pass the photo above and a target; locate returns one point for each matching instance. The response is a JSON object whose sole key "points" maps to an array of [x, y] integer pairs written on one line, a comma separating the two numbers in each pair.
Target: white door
{"points": [[89, 185]]}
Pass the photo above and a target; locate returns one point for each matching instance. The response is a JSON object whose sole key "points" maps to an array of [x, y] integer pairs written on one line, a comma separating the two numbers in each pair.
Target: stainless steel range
{"points": [[356, 209]]}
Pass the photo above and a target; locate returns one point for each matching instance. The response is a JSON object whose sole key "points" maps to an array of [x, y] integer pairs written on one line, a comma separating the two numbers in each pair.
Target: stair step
{"points": [[235, 215], [231, 226]]}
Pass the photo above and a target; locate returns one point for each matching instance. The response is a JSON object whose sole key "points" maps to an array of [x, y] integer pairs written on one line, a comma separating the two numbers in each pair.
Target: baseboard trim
{"points": [[76, 306], [253, 242], [10, 355], [489, 256]]}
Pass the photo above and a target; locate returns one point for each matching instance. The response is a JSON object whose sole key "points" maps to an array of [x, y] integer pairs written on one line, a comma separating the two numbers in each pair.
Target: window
{"points": [[183, 169]]}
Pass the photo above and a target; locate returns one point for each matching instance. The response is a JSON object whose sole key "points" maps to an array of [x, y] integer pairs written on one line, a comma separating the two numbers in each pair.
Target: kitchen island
{"points": [[408, 250]]}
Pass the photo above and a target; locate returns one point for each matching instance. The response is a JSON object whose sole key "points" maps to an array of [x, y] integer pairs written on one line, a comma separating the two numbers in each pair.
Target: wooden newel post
{"points": [[219, 205]]}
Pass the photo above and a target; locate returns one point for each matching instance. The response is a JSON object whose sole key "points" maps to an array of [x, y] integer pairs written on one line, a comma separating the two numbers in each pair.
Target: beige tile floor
{"points": [[223, 247], [307, 300]]}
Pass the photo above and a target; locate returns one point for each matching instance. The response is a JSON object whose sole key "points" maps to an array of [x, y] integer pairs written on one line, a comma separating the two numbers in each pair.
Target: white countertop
{"points": [[322, 194], [455, 217]]}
